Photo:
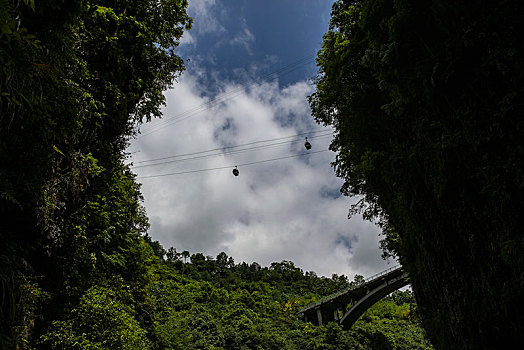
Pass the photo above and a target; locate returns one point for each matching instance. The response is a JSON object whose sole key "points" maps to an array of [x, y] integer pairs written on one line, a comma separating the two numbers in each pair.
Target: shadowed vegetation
{"points": [[425, 100]]}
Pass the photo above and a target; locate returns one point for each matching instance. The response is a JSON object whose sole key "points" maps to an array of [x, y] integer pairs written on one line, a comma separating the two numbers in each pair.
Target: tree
{"points": [[423, 98], [76, 79], [172, 254], [357, 281], [101, 321], [233, 311]]}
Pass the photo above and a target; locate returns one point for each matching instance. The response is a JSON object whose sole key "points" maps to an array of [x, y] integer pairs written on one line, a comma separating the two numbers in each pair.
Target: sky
{"points": [[242, 101]]}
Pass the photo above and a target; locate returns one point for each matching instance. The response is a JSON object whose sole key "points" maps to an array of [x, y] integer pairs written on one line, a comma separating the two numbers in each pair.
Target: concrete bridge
{"points": [[347, 305]]}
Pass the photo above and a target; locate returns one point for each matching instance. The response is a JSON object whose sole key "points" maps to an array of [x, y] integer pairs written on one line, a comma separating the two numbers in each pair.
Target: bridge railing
{"points": [[381, 273], [347, 289]]}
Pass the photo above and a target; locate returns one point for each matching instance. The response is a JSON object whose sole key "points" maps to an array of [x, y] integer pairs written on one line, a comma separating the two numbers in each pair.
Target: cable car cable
{"points": [[229, 166], [327, 132], [292, 66], [210, 104], [256, 148], [168, 160]]}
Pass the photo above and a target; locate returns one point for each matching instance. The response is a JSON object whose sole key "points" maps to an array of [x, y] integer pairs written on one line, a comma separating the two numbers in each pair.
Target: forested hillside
{"points": [[213, 303]]}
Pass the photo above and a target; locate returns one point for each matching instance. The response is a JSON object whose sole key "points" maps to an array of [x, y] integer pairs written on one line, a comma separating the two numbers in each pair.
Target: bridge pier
{"points": [[326, 315], [319, 316]]}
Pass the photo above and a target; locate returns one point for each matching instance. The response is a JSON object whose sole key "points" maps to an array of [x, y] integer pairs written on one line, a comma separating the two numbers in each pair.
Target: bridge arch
{"points": [[360, 298], [364, 303]]}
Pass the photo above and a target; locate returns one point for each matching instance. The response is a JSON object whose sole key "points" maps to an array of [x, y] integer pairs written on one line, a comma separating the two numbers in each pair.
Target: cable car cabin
{"points": [[307, 145], [235, 171]]}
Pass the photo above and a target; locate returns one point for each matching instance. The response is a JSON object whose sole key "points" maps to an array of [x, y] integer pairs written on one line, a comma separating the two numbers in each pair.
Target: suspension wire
{"points": [[225, 149], [222, 98], [292, 66], [255, 148], [230, 166]]}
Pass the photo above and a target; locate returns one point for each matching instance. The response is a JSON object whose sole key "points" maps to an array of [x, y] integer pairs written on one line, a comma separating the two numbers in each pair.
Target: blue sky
{"points": [[286, 209], [249, 39]]}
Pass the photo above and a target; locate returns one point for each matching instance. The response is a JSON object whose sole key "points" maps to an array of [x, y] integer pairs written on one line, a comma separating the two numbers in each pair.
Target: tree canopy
{"points": [[424, 98], [76, 77], [77, 267]]}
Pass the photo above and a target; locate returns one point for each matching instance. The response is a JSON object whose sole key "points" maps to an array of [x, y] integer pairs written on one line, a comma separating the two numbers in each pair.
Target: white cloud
{"points": [[281, 210], [207, 14], [187, 39], [244, 38]]}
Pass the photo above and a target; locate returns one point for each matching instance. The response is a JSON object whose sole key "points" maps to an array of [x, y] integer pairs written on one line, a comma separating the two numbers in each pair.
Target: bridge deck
{"points": [[344, 297]]}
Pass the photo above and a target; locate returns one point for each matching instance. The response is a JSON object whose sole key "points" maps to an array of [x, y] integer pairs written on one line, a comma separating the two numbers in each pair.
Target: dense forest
{"points": [[77, 268], [76, 78], [426, 100], [200, 302]]}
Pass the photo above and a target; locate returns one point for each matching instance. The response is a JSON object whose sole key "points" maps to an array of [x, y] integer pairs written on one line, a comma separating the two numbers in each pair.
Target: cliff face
{"points": [[423, 96]]}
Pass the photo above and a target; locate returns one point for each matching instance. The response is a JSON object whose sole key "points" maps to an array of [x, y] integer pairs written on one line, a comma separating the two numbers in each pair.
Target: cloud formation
{"points": [[288, 209], [244, 38], [208, 14]]}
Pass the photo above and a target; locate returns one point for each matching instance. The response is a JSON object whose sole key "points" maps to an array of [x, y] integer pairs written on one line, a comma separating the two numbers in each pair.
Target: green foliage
{"points": [[103, 320], [77, 269], [234, 309], [422, 95], [392, 325], [76, 78]]}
